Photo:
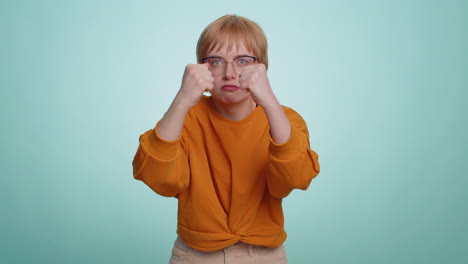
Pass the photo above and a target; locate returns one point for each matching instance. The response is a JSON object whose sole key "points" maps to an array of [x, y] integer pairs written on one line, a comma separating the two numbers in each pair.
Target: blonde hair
{"points": [[233, 29]]}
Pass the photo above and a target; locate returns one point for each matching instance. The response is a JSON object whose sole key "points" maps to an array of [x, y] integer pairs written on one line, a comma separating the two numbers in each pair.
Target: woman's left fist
{"points": [[254, 79]]}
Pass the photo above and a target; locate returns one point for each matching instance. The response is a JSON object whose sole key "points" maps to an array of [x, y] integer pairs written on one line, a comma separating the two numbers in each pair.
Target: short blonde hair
{"points": [[233, 29]]}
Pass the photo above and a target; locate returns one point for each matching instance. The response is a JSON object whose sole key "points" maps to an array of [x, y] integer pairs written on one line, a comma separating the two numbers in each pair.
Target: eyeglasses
{"points": [[218, 64]]}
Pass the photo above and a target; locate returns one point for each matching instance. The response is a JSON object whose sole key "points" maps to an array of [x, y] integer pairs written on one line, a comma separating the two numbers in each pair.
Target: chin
{"points": [[230, 98]]}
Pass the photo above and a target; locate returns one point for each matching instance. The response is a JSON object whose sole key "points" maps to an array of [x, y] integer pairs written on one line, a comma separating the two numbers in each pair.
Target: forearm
{"points": [[280, 127], [197, 79], [170, 126], [292, 164]]}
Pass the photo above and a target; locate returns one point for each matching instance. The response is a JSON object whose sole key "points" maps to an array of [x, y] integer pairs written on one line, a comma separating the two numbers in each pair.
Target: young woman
{"points": [[229, 158]]}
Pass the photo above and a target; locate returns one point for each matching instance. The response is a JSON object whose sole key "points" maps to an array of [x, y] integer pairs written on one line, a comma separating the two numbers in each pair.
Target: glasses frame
{"points": [[226, 61]]}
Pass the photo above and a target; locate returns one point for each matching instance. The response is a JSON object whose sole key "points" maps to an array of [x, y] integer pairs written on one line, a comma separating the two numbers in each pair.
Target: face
{"points": [[226, 84]]}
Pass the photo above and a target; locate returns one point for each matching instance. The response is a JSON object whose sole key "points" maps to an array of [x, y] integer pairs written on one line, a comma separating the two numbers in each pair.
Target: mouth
{"points": [[229, 88]]}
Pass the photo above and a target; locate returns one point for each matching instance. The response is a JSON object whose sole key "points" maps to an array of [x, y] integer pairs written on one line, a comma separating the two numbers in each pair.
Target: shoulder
{"points": [[200, 109], [203, 105], [292, 115], [297, 122], [196, 118]]}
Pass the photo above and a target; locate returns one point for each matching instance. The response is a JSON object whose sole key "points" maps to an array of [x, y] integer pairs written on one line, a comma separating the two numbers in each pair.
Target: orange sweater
{"points": [[229, 176]]}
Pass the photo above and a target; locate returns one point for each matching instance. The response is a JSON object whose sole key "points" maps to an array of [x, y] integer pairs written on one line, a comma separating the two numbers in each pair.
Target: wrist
{"points": [[271, 105], [181, 105]]}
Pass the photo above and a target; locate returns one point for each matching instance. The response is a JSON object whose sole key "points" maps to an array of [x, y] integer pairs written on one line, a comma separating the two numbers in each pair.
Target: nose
{"points": [[229, 71]]}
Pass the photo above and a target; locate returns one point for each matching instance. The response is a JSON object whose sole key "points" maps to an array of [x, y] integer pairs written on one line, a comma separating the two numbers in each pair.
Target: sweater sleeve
{"points": [[160, 164], [292, 165]]}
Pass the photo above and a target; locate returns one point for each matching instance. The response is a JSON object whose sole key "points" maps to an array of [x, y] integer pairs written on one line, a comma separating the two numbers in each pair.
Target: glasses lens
{"points": [[216, 64], [241, 62]]}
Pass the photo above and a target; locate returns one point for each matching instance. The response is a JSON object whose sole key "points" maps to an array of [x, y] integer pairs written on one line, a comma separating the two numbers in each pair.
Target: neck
{"points": [[236, 111]]}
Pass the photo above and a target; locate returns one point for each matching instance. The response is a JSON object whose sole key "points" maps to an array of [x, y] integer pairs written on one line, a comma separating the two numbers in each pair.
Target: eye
{"points": [[244, 60], [215, 62]]}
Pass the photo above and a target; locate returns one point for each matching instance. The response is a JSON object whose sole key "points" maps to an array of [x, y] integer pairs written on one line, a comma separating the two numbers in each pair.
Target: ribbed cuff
{"points": [[289, 149], [158, 147]]}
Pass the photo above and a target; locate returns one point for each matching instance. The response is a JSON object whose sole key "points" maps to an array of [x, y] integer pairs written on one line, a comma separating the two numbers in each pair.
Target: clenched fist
{"points": [[254, 79], [197, 80]]}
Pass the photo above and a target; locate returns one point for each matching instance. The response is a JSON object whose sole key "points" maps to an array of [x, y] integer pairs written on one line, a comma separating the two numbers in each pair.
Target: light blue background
{"points": [[381, 84]]}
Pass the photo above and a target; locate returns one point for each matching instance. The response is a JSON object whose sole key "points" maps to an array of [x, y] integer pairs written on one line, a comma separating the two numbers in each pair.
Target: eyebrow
{"points": [[219, 57]]}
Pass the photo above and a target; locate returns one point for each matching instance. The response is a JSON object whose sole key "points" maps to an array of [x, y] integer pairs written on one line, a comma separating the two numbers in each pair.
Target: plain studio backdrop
{"points": [[381, 84]]}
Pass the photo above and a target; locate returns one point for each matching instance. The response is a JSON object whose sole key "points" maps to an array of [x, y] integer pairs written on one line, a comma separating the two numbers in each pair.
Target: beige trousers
{"points": [[239, 253]]}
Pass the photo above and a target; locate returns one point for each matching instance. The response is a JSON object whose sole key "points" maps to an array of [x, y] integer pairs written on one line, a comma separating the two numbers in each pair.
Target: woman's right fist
{"points": [[197, 80]]}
